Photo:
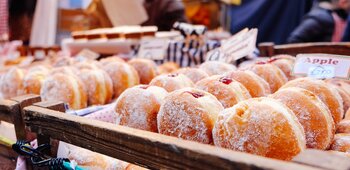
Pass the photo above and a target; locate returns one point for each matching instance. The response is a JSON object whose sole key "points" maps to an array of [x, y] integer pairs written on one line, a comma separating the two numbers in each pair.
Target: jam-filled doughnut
{"points": [[33, 81], [343, 126], [171, 82], [285, 63], [138, 106], [312, 114], [99, 86], [261, 126], [326, 93], [271, 74], [146, 69], [256, 86], [228, 91], [216, 67], [123, 76], [65, 88], [168, 67], [189, 114]]}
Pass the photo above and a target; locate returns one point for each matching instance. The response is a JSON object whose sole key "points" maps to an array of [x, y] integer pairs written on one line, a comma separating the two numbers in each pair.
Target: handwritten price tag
{"points": [[322, 66], [153, 48]]}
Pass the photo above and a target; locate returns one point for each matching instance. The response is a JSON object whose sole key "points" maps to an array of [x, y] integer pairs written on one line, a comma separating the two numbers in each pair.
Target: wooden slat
{"points": [[141, 147], [23, 101], [269, 49], [6, 108], [323, 159]]}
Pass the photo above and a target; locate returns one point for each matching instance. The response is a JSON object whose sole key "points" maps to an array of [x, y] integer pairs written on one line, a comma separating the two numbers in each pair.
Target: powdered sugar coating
{"points": [[256, 86], [171, 82], [285, 64], [66, 88], [11, 83], [184, 116], [260, 126], [343, 126], [146, 69], [33, 81], [216, 67], [343, 88], [123, 76], [326, 93], [271, 74], [98, 84], [312, 113], [341, 142], [137, 107], [195, 74], [168, 67], [228, 94]]}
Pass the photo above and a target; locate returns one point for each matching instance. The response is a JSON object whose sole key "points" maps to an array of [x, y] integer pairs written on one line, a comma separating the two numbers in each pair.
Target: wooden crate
{"points": [[269, 49], [157, 151]]}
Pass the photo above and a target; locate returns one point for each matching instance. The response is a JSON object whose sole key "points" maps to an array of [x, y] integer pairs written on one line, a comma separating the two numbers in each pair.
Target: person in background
{"points": [[164, 13], [324, 23]]}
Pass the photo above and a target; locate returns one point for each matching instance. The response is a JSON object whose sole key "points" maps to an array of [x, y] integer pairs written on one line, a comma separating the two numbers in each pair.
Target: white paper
{"points": [[153, 48], [322, 66], [125, 12]]}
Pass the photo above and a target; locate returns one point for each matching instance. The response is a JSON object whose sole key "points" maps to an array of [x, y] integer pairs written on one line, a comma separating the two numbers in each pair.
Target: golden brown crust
{"points": [[123, 76], [105, 61], [11, 83], [271, 74], [168, 67], [66, 88], [33, 81], [285, 63], [343, 126], [184, 116], [341, 142], [260, 126], [326, 93], [147, 69], [312, 113], [256, 86], [228, 91], [343, 87], [216, 67]]}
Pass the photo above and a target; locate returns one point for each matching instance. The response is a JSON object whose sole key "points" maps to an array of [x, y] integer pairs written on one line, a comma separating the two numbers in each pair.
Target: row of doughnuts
{"points": [[301, 113]]}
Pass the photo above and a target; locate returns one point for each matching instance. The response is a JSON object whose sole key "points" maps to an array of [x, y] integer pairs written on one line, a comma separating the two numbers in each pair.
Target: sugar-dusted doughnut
{"points": [[261, 126], [326, 93], [123, 76], [256, 86], [33, 81], [343, 88], [195, 74], [11, 83], [91, 65], [98, 84], [111, 59], [171, 82], [343, 126], [228, 91], [312, 114], [138, 106], [168, 67], [341, 142], [66, 88], [347, 115], [146, 69], [189, 114], [271, 74], [216, 67], [285, 63]]}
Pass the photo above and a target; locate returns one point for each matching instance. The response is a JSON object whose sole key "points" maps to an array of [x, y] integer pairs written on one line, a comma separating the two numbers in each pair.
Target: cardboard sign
{"points": [[322, 66], [153, 48], [238, 46]]}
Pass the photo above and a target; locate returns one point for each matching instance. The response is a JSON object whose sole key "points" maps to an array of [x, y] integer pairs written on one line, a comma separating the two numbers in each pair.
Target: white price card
{"points": [[153, 48], [322, 66]]}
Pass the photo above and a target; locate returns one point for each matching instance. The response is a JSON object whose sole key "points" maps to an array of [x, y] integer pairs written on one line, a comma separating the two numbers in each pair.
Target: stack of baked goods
{"points": [[260, 109]]}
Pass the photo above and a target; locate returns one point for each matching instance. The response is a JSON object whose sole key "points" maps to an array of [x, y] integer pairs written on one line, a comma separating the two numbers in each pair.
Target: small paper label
{"points": [[153, 48], [321, 72], [322, 66]]}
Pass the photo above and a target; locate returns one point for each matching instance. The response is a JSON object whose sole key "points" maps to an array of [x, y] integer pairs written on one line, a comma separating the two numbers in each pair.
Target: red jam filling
{"points": [[226, 80], [195, 95]]}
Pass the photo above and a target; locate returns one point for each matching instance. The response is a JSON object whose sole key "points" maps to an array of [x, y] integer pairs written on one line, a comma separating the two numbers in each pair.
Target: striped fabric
{"points": [[186, 57], [3, 18]]}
